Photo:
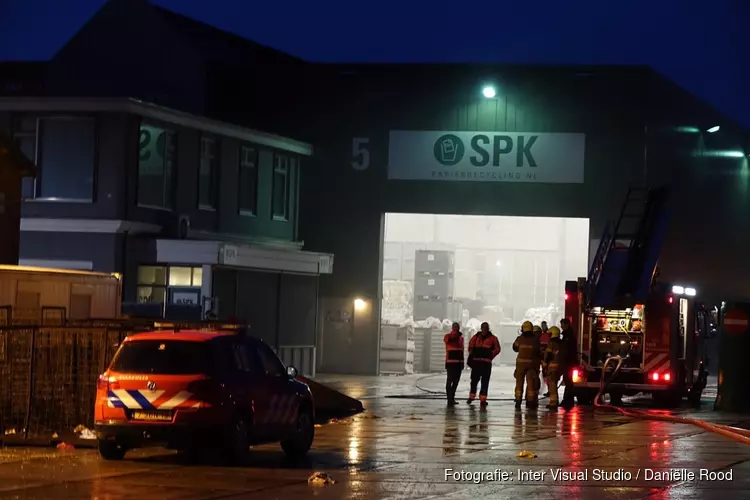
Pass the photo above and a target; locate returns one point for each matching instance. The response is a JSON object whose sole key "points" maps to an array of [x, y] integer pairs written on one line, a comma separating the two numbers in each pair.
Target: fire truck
{"points": [[634, 333]]}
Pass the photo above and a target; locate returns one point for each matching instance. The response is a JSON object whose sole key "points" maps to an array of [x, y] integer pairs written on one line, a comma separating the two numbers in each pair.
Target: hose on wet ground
{"points": [[741, 435]]}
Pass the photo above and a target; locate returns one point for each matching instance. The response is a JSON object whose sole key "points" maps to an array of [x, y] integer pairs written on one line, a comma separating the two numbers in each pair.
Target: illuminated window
{"points": [[180, 276], [185, 276], [153, 281]]}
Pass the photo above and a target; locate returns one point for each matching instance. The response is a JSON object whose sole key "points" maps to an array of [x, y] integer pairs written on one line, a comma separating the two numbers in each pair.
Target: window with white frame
{"points": [[247, 196], [281, 180], [207, 175], [156, 167], [176, 284], [64, 150]]}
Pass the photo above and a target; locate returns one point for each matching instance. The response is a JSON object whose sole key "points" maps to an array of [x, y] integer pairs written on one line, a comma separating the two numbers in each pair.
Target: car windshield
{"points": [[164, 357]]}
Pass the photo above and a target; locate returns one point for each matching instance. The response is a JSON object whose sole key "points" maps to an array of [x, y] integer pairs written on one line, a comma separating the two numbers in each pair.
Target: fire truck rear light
{"points": [[576, 375], [667, 377], [566, 296], [655, 377]]}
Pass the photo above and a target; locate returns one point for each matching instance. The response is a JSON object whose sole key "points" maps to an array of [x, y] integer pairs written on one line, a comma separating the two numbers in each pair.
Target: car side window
{"points": [[269, 362], [240, 357]]}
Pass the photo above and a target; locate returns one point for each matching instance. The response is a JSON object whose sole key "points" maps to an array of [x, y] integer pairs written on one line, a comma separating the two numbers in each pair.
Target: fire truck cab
{"points": [[639, 334]]}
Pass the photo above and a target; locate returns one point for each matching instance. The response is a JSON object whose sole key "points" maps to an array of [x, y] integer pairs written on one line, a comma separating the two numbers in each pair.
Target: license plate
{"points": [[153, 416]]}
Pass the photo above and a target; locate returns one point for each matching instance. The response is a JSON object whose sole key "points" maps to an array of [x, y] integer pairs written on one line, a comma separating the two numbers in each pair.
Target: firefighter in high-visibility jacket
{"points": [[527, 365], [553, 364], [483, 348], [454, 361]]}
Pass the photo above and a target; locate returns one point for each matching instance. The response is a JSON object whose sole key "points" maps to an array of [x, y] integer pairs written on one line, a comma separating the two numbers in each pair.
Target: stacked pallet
{"points": [[396, 349]]}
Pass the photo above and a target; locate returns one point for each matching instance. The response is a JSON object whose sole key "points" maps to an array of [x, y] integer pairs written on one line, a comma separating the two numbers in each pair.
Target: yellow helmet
{"points": [[537, 329], [554, 332], [527, 326]]}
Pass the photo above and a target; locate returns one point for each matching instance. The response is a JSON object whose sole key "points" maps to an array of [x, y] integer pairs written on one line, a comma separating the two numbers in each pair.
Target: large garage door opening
{"points": [[443, 268]]}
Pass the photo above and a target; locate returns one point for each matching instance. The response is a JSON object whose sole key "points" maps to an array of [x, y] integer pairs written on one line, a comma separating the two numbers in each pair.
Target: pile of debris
{"points": [[550, 314], [398, 299]]}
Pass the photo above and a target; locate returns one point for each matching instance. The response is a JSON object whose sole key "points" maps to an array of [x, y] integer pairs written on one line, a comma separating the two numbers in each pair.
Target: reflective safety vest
{"points": [[554, 355], [454, 347], [483, 349], [543, 340], [527, 347]]}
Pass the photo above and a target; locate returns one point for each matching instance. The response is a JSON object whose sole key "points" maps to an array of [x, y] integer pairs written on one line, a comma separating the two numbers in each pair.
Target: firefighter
{"points": [[552, 364], [571, 359], [454, 361], [527, 365], [543, 339], [483, 348]]}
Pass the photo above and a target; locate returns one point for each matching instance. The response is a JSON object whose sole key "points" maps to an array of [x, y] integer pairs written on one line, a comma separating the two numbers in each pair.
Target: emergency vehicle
{"points": [[198, 391], [654, 332]]}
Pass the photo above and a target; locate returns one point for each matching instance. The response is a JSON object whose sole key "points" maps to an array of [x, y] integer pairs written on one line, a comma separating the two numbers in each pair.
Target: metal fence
{"points": [[48, 375], [48, 370]]}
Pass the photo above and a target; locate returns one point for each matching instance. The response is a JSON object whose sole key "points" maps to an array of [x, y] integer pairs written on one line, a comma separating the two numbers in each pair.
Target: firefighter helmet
{"points": [[537, 329], [527, 326], [554, 332]]}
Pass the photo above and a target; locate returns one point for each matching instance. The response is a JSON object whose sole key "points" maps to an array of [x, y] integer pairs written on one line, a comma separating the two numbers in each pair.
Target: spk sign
{"points": [[486, 156]]}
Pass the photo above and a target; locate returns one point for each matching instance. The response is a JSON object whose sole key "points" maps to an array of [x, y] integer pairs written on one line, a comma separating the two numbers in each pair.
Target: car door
{"points": [[243, 377], [283, 401]]}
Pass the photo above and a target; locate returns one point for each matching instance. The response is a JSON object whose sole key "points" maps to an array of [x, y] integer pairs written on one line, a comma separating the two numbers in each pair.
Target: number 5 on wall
{"points": [[360, 153]]}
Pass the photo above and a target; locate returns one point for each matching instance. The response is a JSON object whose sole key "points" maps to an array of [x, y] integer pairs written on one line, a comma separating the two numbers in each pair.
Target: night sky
{"points": [[701, 45]]}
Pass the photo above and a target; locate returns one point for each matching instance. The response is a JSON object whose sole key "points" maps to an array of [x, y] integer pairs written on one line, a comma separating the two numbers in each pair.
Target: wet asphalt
{"points": [[409, 445]]}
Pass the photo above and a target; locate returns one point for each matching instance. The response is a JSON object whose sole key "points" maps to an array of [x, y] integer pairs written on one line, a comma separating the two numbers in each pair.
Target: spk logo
{"points": [[449, 150]]}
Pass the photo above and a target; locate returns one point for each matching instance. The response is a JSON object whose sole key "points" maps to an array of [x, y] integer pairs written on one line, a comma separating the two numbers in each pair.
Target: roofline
{"points": [[154, 112], [488, 65], [48, 270], [706, 107], [159, 9]]}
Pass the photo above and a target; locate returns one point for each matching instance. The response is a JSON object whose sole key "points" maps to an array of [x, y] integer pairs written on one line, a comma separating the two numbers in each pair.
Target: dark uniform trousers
{"points": [[483, 351], [454, 377], [480, 373], [454, 363], [571, 359]]}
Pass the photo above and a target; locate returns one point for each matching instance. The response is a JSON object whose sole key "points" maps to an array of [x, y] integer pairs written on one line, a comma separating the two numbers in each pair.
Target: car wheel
{"points": [[299, 443], [109, 450], [238, 444]]}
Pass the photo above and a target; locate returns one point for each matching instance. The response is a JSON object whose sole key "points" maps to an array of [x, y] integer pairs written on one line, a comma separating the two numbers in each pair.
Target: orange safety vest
{"points": [[543, 341], [454, 347], [484, 349]]}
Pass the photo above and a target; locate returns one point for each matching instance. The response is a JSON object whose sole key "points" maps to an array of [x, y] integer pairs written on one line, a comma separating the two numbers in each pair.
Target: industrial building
{"points": [[145, 171], [365, 143], [541, 142]]}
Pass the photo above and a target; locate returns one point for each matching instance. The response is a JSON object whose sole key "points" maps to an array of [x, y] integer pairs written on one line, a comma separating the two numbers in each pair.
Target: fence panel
{"points": [[48, 373], [15, 386]]}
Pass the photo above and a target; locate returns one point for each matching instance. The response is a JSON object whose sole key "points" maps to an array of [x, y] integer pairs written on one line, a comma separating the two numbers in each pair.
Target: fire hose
{"points": [[741, 435]]}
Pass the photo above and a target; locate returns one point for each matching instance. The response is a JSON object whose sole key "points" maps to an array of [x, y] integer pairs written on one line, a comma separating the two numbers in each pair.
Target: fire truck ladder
{"points": [[626, 258]]}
